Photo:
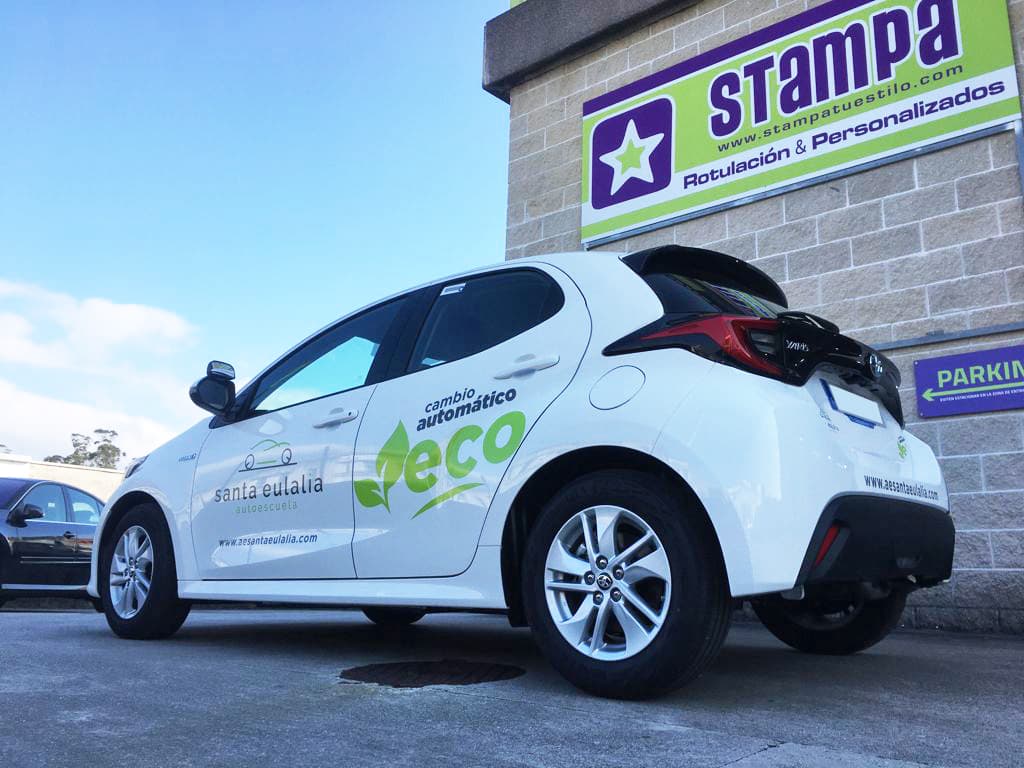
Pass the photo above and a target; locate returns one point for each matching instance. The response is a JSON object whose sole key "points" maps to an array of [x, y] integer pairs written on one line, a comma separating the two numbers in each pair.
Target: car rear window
{"points": [[681, 295], [482, 312], [10, 489]]}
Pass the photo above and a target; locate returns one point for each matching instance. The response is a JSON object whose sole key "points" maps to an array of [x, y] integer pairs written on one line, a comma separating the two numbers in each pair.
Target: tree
{"points": [[92, 451], [4, 448]]}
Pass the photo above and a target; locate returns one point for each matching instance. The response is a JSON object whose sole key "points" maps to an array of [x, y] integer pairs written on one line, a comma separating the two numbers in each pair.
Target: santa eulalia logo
{"points": [[632, 154]]}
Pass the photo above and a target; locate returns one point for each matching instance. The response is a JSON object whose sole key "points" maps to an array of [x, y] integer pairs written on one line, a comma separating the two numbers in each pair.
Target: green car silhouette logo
{"points": [[267, 454]]}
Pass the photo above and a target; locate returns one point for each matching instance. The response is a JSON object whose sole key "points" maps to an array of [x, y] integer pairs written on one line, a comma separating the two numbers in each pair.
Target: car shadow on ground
{"points": [[751, 664]]}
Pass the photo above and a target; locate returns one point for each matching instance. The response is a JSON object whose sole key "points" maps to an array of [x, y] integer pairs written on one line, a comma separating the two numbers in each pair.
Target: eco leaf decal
{"points": [[368, 493], [390, 464], [445, 496], [391, 459]]}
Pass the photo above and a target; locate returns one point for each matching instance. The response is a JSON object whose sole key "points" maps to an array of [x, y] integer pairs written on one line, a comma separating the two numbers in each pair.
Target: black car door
{"points": [[43, 550]]}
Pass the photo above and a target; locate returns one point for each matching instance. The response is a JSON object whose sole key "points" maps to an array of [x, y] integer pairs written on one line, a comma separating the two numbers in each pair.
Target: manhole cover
{"points": [[417, 674]]}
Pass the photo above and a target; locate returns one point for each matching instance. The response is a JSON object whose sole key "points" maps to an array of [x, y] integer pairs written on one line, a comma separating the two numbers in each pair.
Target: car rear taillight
{"points": [[788, 348], [749, 342], [826, 544]]}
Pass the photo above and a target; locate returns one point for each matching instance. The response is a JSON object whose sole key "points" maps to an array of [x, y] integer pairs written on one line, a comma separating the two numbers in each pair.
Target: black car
{"points": [[46, 536]]}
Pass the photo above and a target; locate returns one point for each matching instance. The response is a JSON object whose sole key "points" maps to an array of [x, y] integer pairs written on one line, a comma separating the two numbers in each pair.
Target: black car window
{"points": [[84, 508], [10, 490], [473, 315], [49, 498], [690, 296], [336, 360]]}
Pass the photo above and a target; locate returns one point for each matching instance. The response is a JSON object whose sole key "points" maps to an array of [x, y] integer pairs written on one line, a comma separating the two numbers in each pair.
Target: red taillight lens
{"points": [[744, 339]]}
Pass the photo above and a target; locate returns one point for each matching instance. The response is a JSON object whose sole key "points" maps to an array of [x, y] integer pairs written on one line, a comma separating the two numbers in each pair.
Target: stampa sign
{"points": [[992, 380], [839, 86]]}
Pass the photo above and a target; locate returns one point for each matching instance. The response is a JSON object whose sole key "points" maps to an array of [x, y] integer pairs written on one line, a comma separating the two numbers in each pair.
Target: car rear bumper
{"points": [[879, 539]]}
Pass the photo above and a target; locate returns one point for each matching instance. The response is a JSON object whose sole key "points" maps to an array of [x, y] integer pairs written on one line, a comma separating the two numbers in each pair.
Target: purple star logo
{"points": [[631, 154]]}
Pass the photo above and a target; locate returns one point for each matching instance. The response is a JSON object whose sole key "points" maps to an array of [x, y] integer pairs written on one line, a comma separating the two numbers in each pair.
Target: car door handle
{"points": [[336, 417], [68, 535], [527, 364]]}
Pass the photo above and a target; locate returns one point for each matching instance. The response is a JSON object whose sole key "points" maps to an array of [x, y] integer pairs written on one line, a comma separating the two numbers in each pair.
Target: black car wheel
{"points": [[624, 585], [830, 626], [138, 580], [386, 616]]}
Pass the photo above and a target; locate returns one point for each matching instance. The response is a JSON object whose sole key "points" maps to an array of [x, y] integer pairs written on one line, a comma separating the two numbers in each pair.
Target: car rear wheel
{"points": [[386, 616], [139, 582], [624, 586], [830, 626]]}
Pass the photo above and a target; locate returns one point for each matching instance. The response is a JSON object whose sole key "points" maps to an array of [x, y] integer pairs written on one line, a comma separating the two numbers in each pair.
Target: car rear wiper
{"points": [[807, 317]]}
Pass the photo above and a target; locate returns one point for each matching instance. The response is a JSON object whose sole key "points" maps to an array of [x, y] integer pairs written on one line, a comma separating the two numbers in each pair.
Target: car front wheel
{"points": [[139, 583], [830, 626], [624, 586]]}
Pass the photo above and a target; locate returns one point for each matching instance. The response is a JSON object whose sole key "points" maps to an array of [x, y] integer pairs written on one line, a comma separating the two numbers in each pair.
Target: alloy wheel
{"points": [[131, 572], [607, 582]]}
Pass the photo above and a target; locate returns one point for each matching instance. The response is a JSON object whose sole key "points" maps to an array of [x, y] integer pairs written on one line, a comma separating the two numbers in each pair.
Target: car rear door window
{"points": [[338, 360], [50, 499], [84, 508], [478, 313]]}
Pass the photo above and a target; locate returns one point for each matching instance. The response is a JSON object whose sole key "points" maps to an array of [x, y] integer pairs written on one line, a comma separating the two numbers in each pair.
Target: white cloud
{"points": [[75, 365], [18, 346], [38, 425], [82, 332]]}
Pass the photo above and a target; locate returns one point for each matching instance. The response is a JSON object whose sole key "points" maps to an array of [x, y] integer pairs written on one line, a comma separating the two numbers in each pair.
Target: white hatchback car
{"points": [[613, 449]]}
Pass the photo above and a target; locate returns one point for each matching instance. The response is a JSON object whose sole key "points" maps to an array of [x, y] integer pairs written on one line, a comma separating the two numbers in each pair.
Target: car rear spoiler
{"points": [[701, 264]]}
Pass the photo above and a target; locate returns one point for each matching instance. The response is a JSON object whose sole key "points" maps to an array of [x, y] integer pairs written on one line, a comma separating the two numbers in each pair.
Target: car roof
{"points": [[567, 262], [570, 262], [37, 481]]}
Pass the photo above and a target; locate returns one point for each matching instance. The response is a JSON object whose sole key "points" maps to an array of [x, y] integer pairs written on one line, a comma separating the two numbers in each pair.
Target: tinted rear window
{"points": [[688, 296], [481, 312], [10, 490]]}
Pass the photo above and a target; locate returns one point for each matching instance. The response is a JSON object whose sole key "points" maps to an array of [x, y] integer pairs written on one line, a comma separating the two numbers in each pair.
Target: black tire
{"points": [[698, 614], [387, 616], [831, 628], [162, 613]]}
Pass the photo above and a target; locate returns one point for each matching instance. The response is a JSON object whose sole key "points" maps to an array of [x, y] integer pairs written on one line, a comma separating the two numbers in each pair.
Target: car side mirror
{"points": [[24, 513], [213, 393]]}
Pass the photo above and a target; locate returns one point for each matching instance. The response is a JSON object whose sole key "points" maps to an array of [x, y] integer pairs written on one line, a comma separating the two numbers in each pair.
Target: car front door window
{"points": [[338, 360], [50, 499]]}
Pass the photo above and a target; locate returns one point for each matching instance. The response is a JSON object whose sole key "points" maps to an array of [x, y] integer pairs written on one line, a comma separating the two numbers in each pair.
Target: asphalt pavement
{"points": [[263, 688]]}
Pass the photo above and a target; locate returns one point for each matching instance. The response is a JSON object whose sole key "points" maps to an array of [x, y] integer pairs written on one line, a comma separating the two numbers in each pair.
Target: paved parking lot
{"points": [[255, 688]]}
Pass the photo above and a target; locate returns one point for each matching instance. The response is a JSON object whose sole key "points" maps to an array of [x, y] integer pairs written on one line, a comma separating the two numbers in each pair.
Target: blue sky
{"points": [[194, 180]]}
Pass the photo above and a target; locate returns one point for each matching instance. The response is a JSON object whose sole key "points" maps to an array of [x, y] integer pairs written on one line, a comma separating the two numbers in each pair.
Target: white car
{"points": [[615, 450]]}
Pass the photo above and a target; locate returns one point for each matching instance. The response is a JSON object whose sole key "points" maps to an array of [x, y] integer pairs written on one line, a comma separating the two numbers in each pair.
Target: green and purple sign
{"points": [[992, 380], [837, 87]]}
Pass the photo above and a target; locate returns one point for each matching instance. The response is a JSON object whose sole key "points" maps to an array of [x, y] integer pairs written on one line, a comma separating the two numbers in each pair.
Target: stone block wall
{"points": [[929, 245]]}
